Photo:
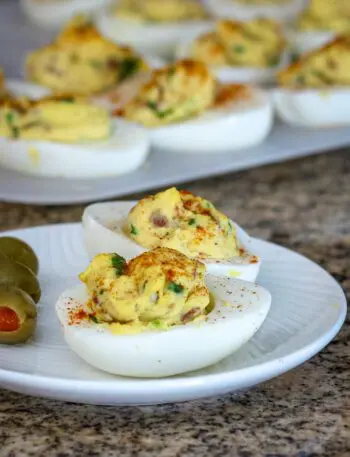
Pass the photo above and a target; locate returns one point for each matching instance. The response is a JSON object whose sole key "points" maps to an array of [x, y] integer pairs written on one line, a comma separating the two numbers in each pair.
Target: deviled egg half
{"points": [[80, 61], [319, 24], [64, 136], [52, 14], [153, 26], [279, 10], [158, 314], [315, 90], [186, 110], [173, 219], [246, 52]]}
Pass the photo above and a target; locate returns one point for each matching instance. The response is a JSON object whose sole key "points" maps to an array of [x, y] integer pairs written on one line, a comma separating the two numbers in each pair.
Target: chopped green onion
{"points": [[128, 67], [174, 287], [161, 114], [93, 318], [96, 64], [191, 221], [238, 49], [156, 323], [133, 230], [118, 262], [273, 61]]}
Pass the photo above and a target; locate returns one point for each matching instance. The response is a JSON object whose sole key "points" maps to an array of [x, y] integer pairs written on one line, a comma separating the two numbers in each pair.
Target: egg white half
{"points": [[313, 108], [21, 88], [123, 152], [240, 310], [302, 42], [239, 125], [231, 74], [231, 9], [154, 39], [52, 14], [103, 232]]}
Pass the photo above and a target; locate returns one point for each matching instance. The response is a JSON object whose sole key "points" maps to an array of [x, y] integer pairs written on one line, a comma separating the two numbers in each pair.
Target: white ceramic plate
{"points": [[308, 309]]}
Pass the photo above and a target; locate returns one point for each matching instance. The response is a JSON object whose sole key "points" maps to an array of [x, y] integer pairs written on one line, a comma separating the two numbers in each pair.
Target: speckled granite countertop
{"points": [[304, 205]]}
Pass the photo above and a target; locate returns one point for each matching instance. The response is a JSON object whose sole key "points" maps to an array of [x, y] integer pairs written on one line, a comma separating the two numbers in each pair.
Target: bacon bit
{"points": [[159, 220], [95, 299], [190, 315], [254, 259], [185, 192], [241, 251], [113, 64], [9, 321]]}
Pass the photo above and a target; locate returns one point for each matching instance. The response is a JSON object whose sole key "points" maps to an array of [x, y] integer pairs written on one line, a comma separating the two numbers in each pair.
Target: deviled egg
{"points": [[249, 51], [52, 14], [186, 110], [173, 219], [65, 137], [153, 26], [315, 91], [279, 10], [158, 315], [80, 61], [319, 24]]}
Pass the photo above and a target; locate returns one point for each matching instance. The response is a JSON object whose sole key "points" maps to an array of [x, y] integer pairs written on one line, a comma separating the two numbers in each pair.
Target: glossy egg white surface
{"points": [[123, 152], [231, 9], [313, 107], [103, 232], [302, 42], [231, 74], [153, 39], [52, 14], [240, 309], [239, 125]]}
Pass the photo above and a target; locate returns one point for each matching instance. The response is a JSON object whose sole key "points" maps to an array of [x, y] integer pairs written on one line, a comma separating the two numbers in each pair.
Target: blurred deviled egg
{"points": [[153, 26], [173, 219], [243, 52], [186, 110], [65, 136], [52, 14], [319, 24], [158, 315], [80, 61], [315, 90], [279, 10]]}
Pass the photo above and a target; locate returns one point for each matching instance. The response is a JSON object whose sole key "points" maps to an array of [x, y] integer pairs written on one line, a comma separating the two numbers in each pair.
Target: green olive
{"points": [[17, 316], [19, 251], [18, 275]]}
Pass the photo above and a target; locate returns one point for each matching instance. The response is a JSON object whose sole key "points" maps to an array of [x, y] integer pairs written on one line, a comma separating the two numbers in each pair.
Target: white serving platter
{"points": [[308, 308], [162, 168]]}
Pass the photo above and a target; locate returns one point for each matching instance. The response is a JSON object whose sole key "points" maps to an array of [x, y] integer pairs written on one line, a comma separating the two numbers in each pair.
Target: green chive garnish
{"points": [[177, 288]]}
